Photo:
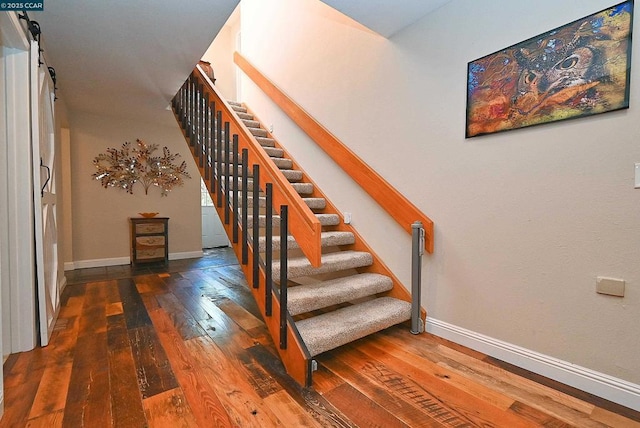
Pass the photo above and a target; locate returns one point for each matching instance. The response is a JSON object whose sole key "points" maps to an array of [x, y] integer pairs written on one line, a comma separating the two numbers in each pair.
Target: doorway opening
{"points": [[213, 233]]}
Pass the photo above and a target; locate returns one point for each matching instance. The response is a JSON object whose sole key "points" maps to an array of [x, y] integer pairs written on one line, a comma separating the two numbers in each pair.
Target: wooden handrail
{"points": [[392, 201], [303, 224]]}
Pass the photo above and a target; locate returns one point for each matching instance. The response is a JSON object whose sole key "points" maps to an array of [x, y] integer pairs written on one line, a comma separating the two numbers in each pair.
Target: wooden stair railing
{"points": [[394, 203], [201, 112]]}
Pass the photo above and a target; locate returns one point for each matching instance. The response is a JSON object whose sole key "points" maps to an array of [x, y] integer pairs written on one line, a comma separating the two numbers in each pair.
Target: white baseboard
{"points": [[116, 261], [83, 264], [600, 384]]}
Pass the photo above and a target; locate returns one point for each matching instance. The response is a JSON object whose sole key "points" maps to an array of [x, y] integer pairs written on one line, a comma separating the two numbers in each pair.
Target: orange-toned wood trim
{"points": [[303, 224], [395, 204]]}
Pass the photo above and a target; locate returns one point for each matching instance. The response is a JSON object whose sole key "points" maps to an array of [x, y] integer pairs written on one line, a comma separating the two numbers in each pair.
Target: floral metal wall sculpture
{"points": [[124, 167]]}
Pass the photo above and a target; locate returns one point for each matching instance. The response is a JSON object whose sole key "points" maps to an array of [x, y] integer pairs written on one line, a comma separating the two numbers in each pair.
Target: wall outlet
{"points": [[271, 127], [347, 218], [610, 286]]}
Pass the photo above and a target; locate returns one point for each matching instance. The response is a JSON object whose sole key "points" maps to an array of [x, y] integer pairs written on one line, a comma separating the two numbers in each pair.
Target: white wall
{"points": [[100, 216], [220, 55], [524, 220]]}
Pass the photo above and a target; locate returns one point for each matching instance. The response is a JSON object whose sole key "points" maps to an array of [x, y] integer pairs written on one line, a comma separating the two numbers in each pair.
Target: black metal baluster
{"points": [[191, 107], [268, 250], [201, 122], [207, 137], [194, 116], [256, 226], [284, 226], [198, 122], [212, 148], [235, 189], [219, 156], [245, 208], [227, 174], [185, 105]]}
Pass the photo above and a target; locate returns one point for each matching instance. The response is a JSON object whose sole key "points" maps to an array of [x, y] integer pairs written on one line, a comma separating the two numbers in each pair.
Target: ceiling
{"points": [[128, 58], [386, 17]]}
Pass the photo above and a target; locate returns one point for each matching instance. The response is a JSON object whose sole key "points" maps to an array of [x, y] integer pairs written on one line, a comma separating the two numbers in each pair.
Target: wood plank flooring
{"points": [[184, 345]]}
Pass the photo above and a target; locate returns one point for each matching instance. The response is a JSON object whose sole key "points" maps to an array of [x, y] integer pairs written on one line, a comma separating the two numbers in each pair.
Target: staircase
{"points": [[348, 295], [337, 281]]}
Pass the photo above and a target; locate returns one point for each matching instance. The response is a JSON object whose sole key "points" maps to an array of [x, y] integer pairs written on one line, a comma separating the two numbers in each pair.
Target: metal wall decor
{"points": [[136, 163]]}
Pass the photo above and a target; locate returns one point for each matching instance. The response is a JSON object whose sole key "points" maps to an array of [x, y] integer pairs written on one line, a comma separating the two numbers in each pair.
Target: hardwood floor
{"points": [[185, 346]]}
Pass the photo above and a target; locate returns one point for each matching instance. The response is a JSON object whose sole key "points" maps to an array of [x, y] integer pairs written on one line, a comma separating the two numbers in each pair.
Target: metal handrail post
{"points": [[417, 325]]}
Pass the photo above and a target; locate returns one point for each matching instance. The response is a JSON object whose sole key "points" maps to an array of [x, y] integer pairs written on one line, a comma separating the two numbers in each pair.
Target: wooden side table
{"points": [[149, 240]]}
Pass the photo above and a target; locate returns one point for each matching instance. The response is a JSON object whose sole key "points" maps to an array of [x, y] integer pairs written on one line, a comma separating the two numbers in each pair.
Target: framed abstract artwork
{"points": [[579, 69]]}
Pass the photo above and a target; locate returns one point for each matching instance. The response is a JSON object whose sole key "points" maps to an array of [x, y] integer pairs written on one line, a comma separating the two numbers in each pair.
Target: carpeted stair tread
{"points": [[312, 203], [292, 175], [258, 132], [325, 220], [273, 152], [303, 188], [283, 163], [306, 298], [328, 219], [266, 142], [250, 123], [234, 103], [315, 203], [244, 116], [280, 163], [239, 109], [332, 262], [300, 188], [328, 331], [328, 239]]}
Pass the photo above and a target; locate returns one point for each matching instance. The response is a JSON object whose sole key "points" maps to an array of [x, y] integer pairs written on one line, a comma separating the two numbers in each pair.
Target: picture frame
{"points": [[579, 69]]}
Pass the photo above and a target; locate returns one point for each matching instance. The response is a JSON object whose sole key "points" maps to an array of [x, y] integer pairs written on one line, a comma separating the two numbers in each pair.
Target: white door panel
{"points": [[45, 200], [213, 233]]}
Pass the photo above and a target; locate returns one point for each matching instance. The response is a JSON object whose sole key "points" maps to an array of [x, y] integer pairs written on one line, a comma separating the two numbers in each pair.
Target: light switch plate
{"points": [[610, 286], [637, 176]]}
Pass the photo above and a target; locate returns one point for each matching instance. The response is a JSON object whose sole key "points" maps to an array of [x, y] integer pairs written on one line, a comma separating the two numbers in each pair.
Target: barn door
{"points": [[44, 193]]}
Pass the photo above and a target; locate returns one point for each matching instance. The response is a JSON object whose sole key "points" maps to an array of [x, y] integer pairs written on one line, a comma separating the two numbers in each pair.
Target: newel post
{"points": [[417, 325]]}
